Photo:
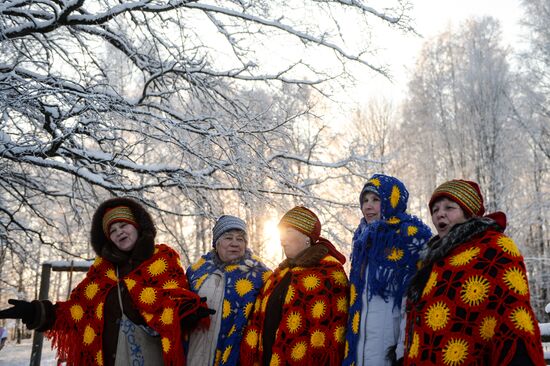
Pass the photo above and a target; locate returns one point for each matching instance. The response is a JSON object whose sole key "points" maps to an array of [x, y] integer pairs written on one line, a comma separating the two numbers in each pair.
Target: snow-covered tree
{"points": [[178, 103]]}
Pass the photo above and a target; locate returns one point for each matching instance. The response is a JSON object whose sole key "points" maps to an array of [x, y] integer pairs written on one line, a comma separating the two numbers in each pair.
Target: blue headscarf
{"points": [[385, 253]]}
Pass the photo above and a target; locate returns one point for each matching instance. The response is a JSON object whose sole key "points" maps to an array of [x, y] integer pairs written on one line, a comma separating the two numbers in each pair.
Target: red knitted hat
{"points": [[117, 214], [303, 220], [464, 192]]}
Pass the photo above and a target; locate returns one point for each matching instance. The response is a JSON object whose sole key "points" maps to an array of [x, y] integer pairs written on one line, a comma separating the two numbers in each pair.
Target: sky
{"points": [[432, 17]]}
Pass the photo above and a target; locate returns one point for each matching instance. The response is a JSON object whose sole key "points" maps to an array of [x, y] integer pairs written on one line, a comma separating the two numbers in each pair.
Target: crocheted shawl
{"points": [[385, 255], [158, 287], [473, 305], [314, 313], [243, 281]]}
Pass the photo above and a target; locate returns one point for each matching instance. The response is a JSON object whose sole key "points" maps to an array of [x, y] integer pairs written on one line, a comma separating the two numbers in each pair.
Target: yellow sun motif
{"points": [[475, 290], [251, 338], [97, 262], [200, 280], [157, 267], [283, 272], [515, 280], [330, 259], [437, 315], [393, 220], [231, 267], [355, 322], [275, 360], [170, 284], [464, 257], [412, 230], [352, 294], [266, 275], [166, 345], [267, 284], [167, 316], [508, 246], [88, 336], [342, 304], [99, 311], [129, 283], [218, 357], [394, 197], [432, 281], [339, 334], [148, 295], [226, 309], [99, 358], [91, 290], [522, 320], [318, 309], [243, 286], [232, 330], [346, 350], [375, 182], [247, 309], [147, 316], [396, 254], [198, 264], [298, 351], [455, 352], [311, 282], [317, 339], [77, 312], [293, 321], [339, 277], [226, 353], [487, 328], [110, 273], [413, 351]]}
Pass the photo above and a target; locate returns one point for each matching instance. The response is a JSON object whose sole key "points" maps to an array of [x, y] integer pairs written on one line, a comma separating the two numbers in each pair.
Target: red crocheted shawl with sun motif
{"points": [[474, 308], [313, 321], [157, 287]]}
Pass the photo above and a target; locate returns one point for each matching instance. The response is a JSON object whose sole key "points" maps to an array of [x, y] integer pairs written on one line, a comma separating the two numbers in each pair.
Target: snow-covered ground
{"points": [[20, 354]]}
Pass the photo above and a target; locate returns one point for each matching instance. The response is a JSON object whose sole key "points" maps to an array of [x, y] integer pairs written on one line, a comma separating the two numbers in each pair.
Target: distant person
{"points": [[385, 254], [230, 277], [133, 304], [3, 337], [469, 303], [299, 317]]}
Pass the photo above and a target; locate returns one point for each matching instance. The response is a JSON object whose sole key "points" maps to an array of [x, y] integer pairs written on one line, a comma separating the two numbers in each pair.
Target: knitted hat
{"points": [[117, 214], [464, 192], [226, 223], [303, 220]]}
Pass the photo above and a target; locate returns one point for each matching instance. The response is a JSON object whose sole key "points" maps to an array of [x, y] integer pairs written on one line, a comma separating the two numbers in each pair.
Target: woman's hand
{"points": [[21, 309]]}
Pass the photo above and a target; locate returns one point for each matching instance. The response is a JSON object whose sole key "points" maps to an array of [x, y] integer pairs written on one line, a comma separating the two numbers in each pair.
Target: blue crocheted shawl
{"points": [[385, 253], [243, 281]]}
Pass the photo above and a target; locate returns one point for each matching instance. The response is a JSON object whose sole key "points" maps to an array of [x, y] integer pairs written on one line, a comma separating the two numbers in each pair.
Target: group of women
{"points": [[460, 297]]}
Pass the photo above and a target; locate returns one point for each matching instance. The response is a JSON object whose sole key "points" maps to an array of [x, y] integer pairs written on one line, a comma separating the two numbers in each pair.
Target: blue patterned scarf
{"points": [[385, 253], [243, 281]]}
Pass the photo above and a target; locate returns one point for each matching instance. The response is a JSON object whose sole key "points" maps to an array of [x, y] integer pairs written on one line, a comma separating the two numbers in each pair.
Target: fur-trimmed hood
{"points": [[147, 232]]}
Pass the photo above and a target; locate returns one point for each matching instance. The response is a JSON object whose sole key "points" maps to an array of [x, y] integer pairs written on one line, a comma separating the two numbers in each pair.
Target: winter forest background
{"points": [[200, 108]]}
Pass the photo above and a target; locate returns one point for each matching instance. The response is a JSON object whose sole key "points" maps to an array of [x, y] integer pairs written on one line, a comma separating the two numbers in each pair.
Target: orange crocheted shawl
{"points": [[157, 287]]}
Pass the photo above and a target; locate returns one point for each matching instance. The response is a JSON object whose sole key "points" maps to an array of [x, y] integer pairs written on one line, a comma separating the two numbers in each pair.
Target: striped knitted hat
{"points": [[116, 214], [226, 223], [303, 220], [464, 192]]}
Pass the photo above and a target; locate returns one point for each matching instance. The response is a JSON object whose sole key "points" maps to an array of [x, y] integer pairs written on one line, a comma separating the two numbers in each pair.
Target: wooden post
{"points": [[38, 337]]}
